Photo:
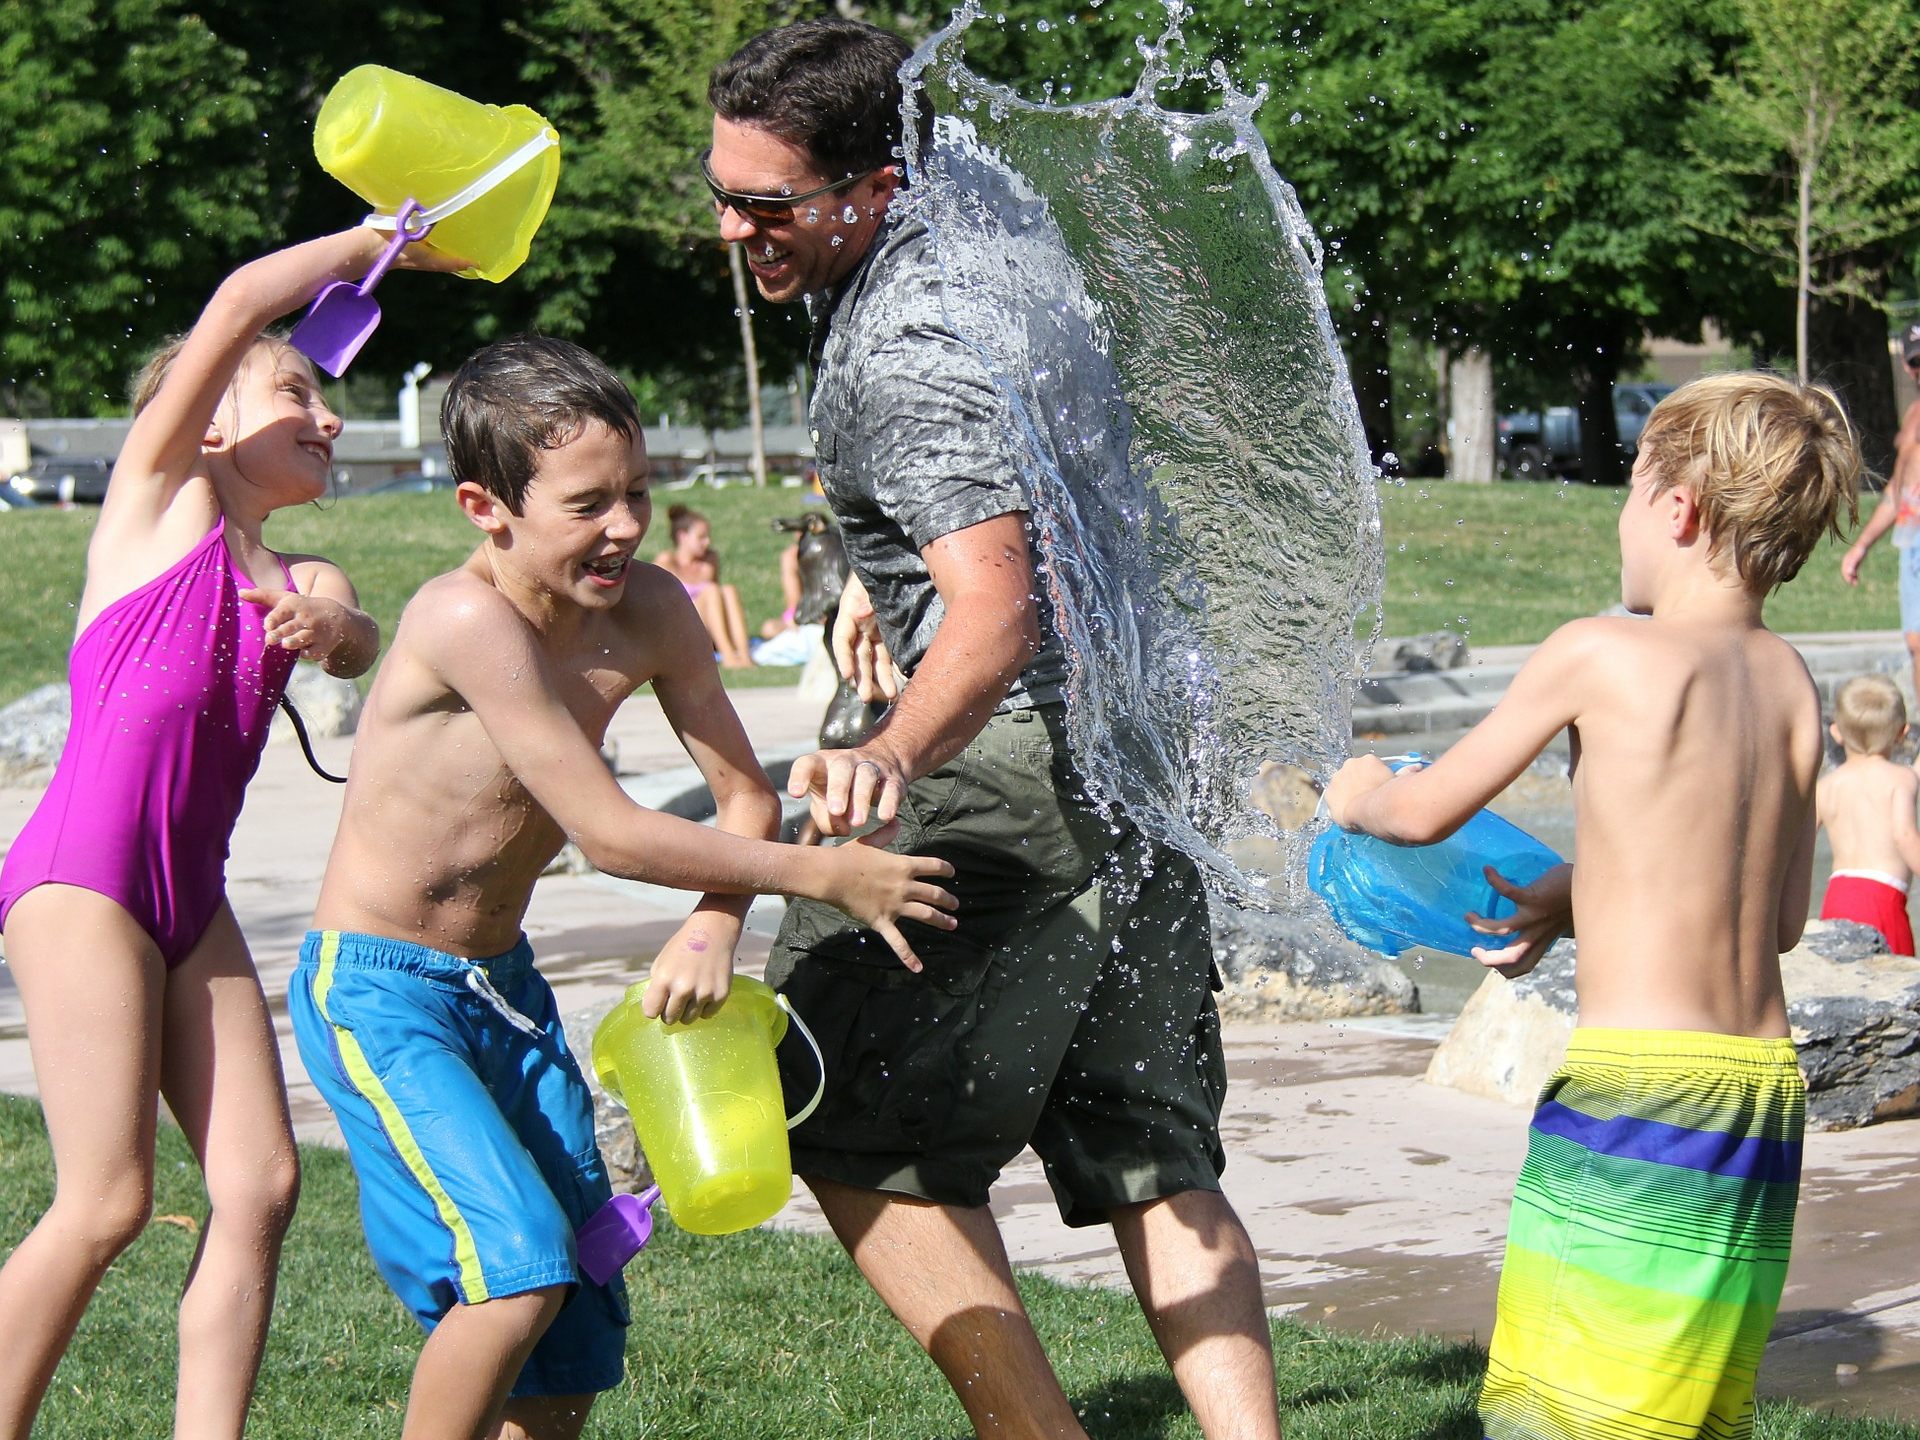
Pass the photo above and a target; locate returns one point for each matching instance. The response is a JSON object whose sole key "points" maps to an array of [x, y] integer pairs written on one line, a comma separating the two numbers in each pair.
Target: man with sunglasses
{"points": [[1899, 511], [1072, 1010]]}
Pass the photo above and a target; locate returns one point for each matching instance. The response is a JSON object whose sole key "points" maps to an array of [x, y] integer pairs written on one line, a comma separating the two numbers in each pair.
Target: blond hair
{"points": [[1771, 465], [153, 374], [1870, 714]]}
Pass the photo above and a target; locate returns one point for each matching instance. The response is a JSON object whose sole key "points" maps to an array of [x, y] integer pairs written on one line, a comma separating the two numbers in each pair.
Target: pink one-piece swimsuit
{"points": [[173, 689]]}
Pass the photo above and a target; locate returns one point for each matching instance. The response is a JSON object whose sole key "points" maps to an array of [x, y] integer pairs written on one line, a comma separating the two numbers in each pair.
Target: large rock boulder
{"points": [[328, 705], [33, 730], [1854, 1009], [1511, 1034], [1283, 967]]}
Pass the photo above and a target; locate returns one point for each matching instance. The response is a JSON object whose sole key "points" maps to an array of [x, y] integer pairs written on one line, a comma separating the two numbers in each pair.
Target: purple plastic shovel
{"points": [[344, 314], [615, 1233]]}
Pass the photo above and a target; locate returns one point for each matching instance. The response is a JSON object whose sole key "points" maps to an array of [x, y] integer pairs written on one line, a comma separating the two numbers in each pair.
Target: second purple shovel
{"points": [[615, 1233], [344, 314]]}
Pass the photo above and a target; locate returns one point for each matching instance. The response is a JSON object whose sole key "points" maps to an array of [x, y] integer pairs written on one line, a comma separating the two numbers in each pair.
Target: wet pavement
{"points": [[1377, 1202]]}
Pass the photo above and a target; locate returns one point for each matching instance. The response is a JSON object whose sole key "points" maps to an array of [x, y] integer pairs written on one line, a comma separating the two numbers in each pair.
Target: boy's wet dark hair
{"points": [[519, 396], [831, 85]]}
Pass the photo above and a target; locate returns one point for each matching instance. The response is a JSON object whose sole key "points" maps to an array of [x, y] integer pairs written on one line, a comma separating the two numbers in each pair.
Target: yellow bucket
{"points": [[389, 137], [705, 1099]]}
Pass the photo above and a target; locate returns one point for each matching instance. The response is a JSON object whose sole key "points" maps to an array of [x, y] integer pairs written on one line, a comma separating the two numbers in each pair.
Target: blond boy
{"points": [[416, 1006], [1866, 804], [1652, 1220]]}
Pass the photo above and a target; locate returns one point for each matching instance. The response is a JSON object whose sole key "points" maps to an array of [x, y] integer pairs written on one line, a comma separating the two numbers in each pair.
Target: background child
{"points": [[135, 979], [696, 565], [1652, 1220], [1867, 806], [416, 1005]]}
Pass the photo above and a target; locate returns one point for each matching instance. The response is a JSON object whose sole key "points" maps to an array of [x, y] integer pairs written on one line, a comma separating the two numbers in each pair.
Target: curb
{"points": [[1419, 703]]}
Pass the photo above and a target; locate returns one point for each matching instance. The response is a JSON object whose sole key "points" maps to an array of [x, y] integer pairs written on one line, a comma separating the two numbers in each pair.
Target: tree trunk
{"points": [[1602, 462], [740, 301], [1369, 361], [1470, 418], [1803, 244], [1848, 340]]}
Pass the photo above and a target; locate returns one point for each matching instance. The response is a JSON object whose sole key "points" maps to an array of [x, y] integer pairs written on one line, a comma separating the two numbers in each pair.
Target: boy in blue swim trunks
{"points": [[415, 1004], [1899, 511]]}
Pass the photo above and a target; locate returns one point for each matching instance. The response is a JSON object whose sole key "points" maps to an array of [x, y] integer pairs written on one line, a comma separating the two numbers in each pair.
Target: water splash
{"points": [[1145, 288]]}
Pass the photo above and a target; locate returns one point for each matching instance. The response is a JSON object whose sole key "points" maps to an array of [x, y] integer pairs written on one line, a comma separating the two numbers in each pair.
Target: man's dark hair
{"points": [[519, 396], [831, 85]]}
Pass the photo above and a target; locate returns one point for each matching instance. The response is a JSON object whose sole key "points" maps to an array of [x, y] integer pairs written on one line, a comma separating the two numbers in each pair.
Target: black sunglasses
{"points": [[767, 209]]}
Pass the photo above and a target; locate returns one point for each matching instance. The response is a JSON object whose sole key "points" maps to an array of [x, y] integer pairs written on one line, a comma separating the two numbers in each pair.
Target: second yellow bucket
{"points": [[705, 1099], [390, 137]]}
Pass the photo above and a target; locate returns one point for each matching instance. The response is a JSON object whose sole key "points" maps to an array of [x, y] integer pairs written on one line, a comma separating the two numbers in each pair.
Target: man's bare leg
{"points": [[1198, 1278], [471, 1360], [944, 1273]]}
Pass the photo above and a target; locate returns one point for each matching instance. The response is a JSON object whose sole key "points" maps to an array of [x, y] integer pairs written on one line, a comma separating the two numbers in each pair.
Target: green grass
{"points": [[1505, 563], [761, 1336]]}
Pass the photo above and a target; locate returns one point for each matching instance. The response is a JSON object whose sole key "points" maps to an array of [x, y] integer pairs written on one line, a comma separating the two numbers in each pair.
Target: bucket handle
{"points": [[492, 180], [818, 1060]]}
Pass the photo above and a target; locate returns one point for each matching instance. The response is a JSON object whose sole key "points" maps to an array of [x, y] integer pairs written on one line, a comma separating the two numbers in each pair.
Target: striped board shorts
{"points": [[1649, 1239]]}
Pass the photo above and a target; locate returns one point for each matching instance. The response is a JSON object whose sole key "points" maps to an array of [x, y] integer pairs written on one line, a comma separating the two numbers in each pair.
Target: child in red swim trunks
{"points": [[1867, 806]]}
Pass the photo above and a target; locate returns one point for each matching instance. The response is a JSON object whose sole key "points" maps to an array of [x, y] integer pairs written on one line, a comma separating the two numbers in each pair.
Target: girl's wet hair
{"points": [[148, 379], [1771, 464], [682, 518], [522, 395]]}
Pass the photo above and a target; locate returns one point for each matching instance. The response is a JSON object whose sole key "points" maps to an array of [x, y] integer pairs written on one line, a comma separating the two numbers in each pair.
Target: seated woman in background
{"points": [[694, 564]]}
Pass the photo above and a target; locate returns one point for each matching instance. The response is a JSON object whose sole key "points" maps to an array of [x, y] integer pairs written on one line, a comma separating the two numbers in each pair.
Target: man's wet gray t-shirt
{"points": [[914, 441]]}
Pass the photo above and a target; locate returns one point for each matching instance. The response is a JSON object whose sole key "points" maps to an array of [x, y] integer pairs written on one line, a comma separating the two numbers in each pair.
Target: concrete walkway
{"points": [[1377, 1202]]}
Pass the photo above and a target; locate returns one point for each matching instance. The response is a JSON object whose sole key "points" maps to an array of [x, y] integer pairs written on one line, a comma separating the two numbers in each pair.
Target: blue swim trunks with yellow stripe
{"points": [[471, 1131]]}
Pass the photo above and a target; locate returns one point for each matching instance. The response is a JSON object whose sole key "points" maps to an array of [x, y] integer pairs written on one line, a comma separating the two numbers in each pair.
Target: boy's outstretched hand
{"points": [[1543, 912], [879, 888], [692, 973], [1359, 777]]}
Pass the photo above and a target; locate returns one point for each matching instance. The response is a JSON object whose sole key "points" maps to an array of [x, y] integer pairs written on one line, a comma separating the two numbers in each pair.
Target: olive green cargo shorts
{"points": [[1071, 1010]]}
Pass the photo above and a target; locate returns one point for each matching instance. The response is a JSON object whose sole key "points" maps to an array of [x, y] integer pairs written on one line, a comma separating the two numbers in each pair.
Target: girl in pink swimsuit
{"points": [[135, 979]]}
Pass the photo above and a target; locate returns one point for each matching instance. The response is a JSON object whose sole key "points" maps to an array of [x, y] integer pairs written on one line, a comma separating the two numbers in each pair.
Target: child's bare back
{"points": [[1698, 744]]}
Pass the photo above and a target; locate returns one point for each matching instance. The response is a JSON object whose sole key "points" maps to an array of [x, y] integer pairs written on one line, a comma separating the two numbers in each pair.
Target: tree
{"points": [[1809, 147], [121, 171]]}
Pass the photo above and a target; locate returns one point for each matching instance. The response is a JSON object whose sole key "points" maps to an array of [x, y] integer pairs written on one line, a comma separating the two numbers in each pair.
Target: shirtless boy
{"points": [[1652, 1220], [1866, 804], [416, 1006]]}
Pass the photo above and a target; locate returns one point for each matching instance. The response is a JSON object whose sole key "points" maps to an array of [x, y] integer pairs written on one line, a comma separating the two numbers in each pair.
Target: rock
{"points": [[1284, 793], [33, 729], [571, 860], [1282, 967], [1511, 1034], [1844, 941], [1854, 1010], [1439, 650], [328, 705], [612, 1127], [1857, 1023], [819, 680]]}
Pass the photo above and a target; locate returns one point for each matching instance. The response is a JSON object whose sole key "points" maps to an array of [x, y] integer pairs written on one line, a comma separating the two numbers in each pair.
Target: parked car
{"points": [[1534, 446], [62, 481]]}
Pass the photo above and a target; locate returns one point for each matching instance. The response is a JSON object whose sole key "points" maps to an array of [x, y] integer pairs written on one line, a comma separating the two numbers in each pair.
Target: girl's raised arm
{"points": [[164, 443]]}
